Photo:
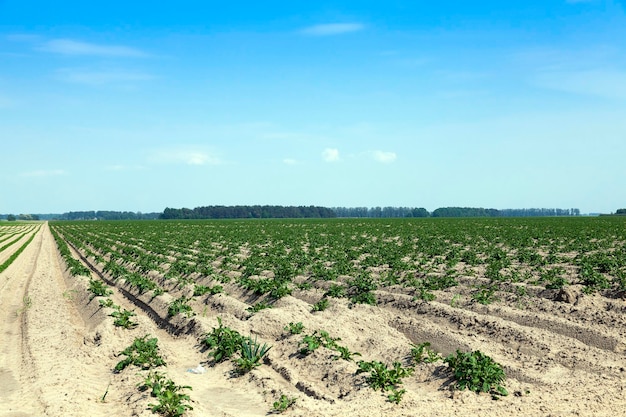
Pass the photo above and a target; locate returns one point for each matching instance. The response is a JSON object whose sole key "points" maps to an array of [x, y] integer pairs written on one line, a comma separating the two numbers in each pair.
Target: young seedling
{"points": [[396, 395], [199, 290], [283, 403], [122, 318], [180, 305], [315, 340], [255, 308], [321, 305], [422, 353], [99, 289], [107, 302], [345, 354], [295, 328]]}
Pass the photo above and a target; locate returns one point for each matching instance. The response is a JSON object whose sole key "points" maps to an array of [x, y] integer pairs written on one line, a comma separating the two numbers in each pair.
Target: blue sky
{"points": [[145, 105]]}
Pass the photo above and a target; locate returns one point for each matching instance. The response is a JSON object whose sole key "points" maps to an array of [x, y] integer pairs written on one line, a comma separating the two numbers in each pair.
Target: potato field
{"points": [[377, 317]]}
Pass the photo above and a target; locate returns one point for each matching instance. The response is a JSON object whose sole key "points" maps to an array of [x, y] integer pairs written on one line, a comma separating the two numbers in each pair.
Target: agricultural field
{"points": [[400, 317]]}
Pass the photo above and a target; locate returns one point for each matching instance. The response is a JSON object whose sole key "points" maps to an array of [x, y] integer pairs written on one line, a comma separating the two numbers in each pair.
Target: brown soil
{"points": [[562, 358]]}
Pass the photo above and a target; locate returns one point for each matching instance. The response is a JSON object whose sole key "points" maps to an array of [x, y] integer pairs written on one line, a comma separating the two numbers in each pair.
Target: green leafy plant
{"points": [[172, 401], [335, 291], [107, 302], [318, 338], [477, 372], [283, 403], [422, 353], [396, 395], [122, 318], [295, 328], [143, 352], [384, 378], [27, 302], [345, 353], [99, 289], [180, 305], [154, 381], [252, 353], [223, 342], [485, 294], [456, 300], [203, 289], [255, 308], [321, 305]]}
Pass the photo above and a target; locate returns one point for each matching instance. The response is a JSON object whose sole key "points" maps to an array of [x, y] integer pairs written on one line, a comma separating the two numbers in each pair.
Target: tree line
{"points": [[387, 212], [107, 215], [248, 212], [299, 212]]}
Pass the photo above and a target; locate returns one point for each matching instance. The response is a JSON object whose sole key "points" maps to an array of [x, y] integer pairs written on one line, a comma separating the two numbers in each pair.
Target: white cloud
{"points": [[44, 173], [384, 157], [73, 47], [330, 155], [80, 76], [289, 161], [186, 156], [330, 29]]}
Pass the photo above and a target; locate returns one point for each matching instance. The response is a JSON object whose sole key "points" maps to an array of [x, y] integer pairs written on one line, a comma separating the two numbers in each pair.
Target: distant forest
{"points": [[298, 212], [387, 212], [107, 215], [249, 212]]}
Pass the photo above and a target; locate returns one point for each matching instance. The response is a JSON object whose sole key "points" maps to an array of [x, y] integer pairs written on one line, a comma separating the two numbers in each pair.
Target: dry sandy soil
{"points": [[58, 350]]}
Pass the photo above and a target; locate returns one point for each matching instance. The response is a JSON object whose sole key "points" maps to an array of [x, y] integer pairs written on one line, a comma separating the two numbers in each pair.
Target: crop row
{"points": [[273, 258]]}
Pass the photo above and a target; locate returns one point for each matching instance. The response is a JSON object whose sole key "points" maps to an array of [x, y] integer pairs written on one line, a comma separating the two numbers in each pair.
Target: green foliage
{"points": [[317, 339], [99, 289], [283, 403], [554, 278], [396, 395], [422, 353], [223, 341], [180, 305], [172, 401], [107, 302], [122, 318], [345, 353], [364, 298], [384, 378], [295, 328], [477, 372], [335, 291], [321, 305], [255, 308], [252, 353], [485, 294], [143, 352], [199, 290]]}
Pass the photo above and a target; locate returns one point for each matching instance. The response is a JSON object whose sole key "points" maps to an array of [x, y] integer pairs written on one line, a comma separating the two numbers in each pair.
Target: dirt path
{"points": [[45, 367]]}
